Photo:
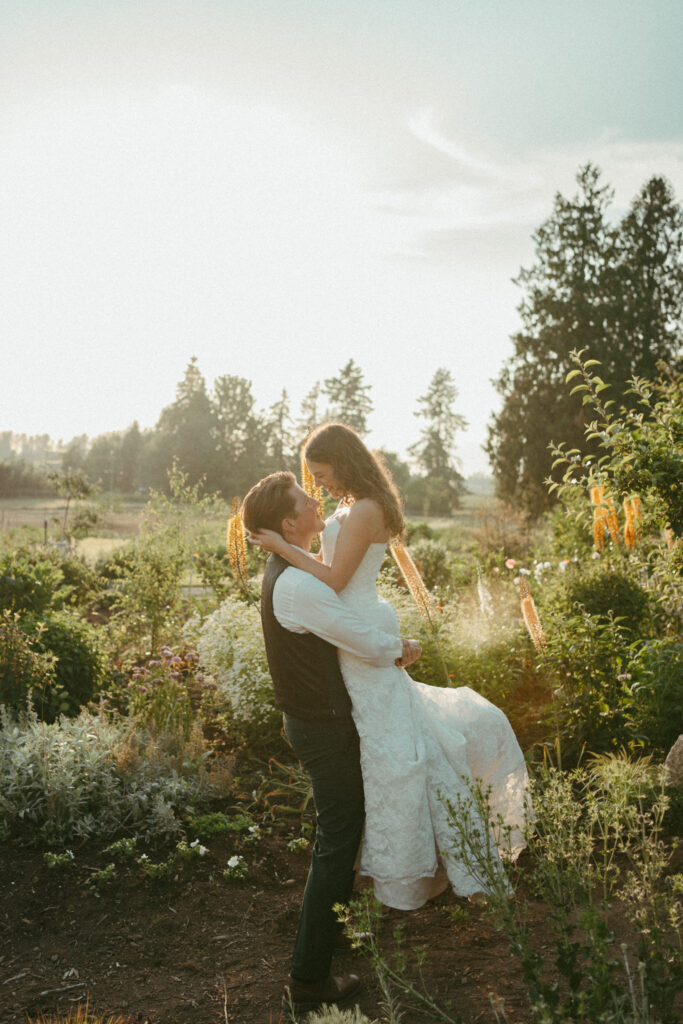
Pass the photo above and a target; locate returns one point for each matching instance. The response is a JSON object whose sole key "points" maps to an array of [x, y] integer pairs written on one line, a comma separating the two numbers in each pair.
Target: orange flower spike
{"points": [[307, 481], [530, 615], [237, 547], [612, 522], [411, 575], [634, 516], [599, 517]]}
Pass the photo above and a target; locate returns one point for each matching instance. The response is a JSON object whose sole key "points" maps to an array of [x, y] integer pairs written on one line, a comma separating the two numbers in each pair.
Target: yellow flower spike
{"points": [[604, 515], [530, 615], [633, 516], [237, 547], [411, 575], [598, 517], [307, 481]]}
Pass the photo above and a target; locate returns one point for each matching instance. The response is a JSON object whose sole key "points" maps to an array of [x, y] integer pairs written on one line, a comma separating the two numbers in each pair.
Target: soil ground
{"points": [[196, 949], [191, 948]]}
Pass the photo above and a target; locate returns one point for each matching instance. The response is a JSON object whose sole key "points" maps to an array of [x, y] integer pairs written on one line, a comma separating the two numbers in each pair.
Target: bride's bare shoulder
{"points": [[366, 514]]}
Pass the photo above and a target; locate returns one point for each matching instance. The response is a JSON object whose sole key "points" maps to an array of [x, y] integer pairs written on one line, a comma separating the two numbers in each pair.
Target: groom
{"points": [[304, 623]]}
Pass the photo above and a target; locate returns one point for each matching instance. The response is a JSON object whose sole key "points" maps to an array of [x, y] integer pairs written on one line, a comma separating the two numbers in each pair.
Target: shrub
{"points": [[90, 776], [231, 648], [30, 583], [432, 559], [160, 692], [588, 656], [79, 667], [23, 667], [656, 712], [602, 588]]}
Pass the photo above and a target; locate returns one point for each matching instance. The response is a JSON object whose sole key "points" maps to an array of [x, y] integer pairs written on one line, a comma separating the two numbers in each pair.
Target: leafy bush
{"points": [[30, 583], [33, 580], [656, 711], [23, 668], [80, 666], [602, 587], [588, 656], [432, 559], [596, 847], [160, 692], [91, 776], [232, 650]]}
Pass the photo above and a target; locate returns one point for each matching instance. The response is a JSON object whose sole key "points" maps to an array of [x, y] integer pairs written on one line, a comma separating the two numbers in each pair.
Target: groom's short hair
{"points": [[269, 502]]}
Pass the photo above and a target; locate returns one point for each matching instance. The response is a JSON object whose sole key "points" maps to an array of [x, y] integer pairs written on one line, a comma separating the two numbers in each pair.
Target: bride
{"points": [[420, 745]]}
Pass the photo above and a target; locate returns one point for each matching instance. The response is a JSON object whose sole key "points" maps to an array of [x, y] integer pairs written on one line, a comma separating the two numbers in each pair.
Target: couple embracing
{"points": [[382, 750]]}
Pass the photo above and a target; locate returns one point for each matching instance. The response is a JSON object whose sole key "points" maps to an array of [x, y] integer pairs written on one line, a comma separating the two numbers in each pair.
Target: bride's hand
{"points": [[269, 540]]}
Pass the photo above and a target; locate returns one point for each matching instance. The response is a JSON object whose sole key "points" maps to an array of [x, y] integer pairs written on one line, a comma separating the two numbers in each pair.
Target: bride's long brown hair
{"points": [[360, 472]]}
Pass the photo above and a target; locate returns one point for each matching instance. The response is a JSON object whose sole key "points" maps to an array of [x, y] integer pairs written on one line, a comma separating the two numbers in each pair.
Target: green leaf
{"points": [[578, 387], [571, 375]]}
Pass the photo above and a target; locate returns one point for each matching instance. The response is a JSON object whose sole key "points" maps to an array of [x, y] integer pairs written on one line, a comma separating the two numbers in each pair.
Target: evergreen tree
{"points": [[442, 484], [349, 398], [240, 436], [281, 442], [611, 289], [185, 431], [309, 415], [130, 452]]}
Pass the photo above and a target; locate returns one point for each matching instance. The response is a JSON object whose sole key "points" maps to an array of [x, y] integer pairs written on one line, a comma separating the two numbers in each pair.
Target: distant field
{"points": [[122, 521]]}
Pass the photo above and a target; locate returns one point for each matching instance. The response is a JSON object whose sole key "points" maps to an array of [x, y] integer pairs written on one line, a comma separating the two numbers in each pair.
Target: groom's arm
{"points": [[303, 604]]}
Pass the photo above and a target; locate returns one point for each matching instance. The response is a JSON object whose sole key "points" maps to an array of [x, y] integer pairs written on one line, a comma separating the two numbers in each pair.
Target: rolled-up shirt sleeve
{"points": [[304, 604]]}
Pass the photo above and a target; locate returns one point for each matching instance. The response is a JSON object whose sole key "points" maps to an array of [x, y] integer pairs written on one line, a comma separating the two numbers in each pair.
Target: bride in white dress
{"points": [[420, 745]]}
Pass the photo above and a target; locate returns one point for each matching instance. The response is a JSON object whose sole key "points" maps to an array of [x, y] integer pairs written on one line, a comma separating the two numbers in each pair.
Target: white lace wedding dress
{"points": [[420, 744]]}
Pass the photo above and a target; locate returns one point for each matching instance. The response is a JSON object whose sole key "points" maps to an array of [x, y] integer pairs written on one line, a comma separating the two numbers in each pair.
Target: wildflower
{"points": [[412, 577], [237, 549], [633, 517], [525, 572], [201, 850], [604, 515], [307, 480], [510, 563], [496, 569], [530, 616], [234, 861], [596, 554]]}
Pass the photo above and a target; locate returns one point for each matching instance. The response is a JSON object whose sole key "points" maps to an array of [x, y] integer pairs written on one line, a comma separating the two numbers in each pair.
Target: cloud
{"points": [[465, 189]]}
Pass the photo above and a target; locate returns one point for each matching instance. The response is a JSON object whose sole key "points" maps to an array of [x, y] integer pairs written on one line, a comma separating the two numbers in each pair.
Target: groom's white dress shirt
{"points": [[304, 604]]}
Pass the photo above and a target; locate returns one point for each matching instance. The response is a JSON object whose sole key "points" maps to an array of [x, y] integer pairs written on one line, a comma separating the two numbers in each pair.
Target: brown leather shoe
{"points": [[302, 996]]}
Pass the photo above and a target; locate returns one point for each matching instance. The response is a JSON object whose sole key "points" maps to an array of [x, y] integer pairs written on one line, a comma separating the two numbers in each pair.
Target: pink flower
{"points": [[510, 564], [496, 569]]}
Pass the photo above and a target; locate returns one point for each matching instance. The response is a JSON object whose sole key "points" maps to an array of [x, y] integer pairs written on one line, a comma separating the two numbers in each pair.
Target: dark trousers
{"points": [[329, 751]]}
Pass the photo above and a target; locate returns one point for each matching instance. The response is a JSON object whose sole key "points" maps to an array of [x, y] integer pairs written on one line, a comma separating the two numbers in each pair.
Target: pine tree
{"points": [[442, 484], [613, 290], [349, 399]]}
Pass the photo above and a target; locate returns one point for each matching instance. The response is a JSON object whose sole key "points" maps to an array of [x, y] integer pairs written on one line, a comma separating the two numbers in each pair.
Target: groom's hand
{"points": [[411, 652]]}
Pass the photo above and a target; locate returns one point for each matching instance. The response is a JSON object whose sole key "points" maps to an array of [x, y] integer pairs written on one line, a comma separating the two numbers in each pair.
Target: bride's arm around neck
{"points": [[361, 527]]}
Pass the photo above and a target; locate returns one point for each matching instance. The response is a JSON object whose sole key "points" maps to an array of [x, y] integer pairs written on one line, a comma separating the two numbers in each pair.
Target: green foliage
{"points": [[24, 668], [29, 582], [602, 587], [656, 710], [91, 776], [33, 580], [432, 559], [160, 692], [588, 657], [595, 843], [442, 485], [349, 399], [231, 649], [614, 289], [640, 448], [79, 661]]}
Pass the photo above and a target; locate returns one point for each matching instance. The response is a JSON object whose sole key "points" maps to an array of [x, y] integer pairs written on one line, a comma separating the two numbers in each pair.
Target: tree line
{"points": [[219, 437], [610, 287]]}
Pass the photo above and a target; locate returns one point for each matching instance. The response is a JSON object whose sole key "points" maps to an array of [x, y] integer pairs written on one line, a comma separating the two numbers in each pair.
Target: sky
{"points": [[278, 186]]}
